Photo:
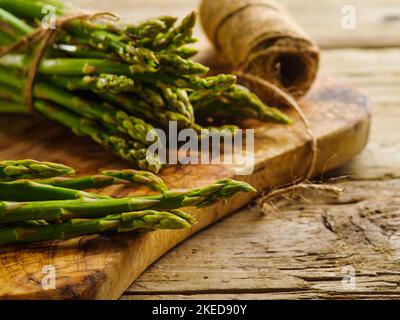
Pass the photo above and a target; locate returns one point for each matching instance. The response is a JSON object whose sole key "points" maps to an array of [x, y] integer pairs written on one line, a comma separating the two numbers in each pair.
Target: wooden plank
{"points": [[377, 22], [104, 266], [302, 250]]}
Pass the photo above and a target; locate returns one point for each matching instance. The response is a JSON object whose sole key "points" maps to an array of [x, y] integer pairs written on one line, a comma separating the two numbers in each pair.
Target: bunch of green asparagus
{"points": [[115, 82], [43, 201]]}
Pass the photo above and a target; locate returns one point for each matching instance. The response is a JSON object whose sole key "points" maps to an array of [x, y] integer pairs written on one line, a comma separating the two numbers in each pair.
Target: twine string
{"points": [[290, 101], [303, 183]]}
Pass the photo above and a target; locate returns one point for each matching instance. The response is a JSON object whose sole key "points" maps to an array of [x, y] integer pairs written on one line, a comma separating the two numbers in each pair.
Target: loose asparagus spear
{"points": [[26, 190], [126, 222], [82, 183], [139, 177], [11, 212], [31, 169], [107, 178]]}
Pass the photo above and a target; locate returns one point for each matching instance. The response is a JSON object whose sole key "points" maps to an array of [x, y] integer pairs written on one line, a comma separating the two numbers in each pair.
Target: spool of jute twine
{"points": [[260, 37], [268, 51]]}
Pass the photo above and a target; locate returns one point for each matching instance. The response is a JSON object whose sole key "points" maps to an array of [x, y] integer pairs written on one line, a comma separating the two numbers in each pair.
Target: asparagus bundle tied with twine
{"points": [[111, 81], [44, 201]]}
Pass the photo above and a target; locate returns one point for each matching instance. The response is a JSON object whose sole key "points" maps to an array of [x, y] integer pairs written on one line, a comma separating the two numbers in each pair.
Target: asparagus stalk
{"points": [[179, 36], [101, 83], [140, 59], [31, 169], [147, 179], [178, 101], [238, 102], [121, 223], [82, 183], [30, 9], [174, 63], [107, 178], [148, 29], [11, 212], [20, 27], [25, 190]]}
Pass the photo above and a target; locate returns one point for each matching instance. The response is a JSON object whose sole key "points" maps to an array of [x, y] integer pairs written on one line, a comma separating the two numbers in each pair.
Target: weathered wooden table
{"points": [[322, 247]]}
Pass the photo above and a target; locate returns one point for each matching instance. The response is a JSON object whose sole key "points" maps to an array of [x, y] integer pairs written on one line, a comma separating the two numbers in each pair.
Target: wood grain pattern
{"points": [[104, 266], [301, 251]]}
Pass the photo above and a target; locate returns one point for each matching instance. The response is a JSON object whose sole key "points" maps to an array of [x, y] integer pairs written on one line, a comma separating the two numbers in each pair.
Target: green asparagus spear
{"points": [[149, 28], [18, 25], [71, 209], [26, 190], [177, 100], [30, 9], [102, 83], [174, 63], [31, 169], [179, 36], [237, 102], [107, 178], [126, 222], [82, 183], [139, 177]]}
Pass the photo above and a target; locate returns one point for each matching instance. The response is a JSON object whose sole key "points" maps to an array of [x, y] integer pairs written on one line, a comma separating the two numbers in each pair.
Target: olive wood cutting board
{"points": [[103, 266]]}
